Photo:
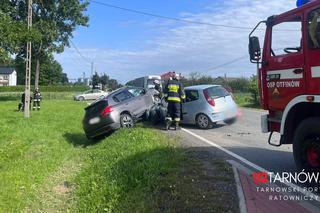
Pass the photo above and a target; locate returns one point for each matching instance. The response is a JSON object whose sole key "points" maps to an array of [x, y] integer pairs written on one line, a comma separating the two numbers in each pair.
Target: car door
{"points": [[284, 66], [138, 105], [88, 94], [189, 108], [123, 100], [313, 50]]}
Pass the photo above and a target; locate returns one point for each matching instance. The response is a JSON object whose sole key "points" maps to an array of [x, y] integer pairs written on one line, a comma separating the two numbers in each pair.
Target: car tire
{"points": [[230, 121], [306, 145], [126, 121], [203, 121], [81, 98]]}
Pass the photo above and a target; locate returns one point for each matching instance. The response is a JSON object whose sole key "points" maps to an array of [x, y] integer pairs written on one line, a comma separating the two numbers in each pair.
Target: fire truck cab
{"points": [[289, 80]]}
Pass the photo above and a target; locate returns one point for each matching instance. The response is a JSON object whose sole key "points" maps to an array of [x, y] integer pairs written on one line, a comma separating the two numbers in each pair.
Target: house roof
{"points": [[7, 70]]}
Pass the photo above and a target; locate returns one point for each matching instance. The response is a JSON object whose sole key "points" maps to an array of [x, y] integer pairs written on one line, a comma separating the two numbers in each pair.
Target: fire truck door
{"points": [[285, 63]]}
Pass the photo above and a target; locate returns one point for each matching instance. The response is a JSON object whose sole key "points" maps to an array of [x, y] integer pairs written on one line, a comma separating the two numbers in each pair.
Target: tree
{"points": [[13, 35], [51, 70], [54, 20], [95, 79], [104, 80], [64, 78], [253, 88]]}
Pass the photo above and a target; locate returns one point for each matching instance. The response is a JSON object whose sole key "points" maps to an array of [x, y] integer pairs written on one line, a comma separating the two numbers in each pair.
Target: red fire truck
{"points": [[289, 80]]}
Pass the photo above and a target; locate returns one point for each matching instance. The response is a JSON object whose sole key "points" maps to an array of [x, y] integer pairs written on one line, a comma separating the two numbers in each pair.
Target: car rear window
{"points": [[217, 92], [97, 107], [192, 95]]}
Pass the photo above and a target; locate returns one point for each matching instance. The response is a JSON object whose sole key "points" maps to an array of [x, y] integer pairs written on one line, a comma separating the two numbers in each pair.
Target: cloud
{"points": [[187, 47]]}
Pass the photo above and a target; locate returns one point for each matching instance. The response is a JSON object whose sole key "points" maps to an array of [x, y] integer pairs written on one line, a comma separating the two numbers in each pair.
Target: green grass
{"points": [[245, 100], [40, 159], [47, 165], [124, 172], [31, 150]]}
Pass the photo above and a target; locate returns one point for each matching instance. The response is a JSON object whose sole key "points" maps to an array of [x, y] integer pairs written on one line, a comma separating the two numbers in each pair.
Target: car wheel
{"points": [[203, 121], [306, 145], [126, 121], [81, 98], [230, 121]]}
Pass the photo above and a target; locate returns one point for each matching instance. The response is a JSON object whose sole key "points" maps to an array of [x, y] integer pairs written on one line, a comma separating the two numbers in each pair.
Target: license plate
{"points": [[94, 120]]}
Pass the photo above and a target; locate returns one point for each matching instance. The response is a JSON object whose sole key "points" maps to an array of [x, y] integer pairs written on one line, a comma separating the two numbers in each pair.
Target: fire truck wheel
{"points": [[306, 145]]}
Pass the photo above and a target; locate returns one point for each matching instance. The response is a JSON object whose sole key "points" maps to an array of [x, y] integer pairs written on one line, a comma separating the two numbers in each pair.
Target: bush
{"points": [[20, 88]]}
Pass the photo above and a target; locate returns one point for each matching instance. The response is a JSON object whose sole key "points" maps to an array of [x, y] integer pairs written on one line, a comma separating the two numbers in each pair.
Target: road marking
{"points": [[245, 161]]}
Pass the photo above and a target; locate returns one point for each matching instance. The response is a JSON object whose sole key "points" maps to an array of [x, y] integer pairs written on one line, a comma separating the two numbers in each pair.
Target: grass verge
{"points": [[47, 165], [245, 100]]}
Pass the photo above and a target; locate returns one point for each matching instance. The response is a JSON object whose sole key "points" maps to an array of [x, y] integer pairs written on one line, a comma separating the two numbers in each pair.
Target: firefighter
{"points": [[21, 104], [36, 99], [158, 88], [174, 94]]}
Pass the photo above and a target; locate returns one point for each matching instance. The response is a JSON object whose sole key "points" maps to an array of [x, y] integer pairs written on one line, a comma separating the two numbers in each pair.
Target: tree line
{"points": [[105, 81], [54, 22]]}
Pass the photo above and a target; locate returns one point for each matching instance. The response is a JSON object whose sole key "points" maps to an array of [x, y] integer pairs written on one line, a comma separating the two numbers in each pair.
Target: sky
{"points": [[126, 45]]}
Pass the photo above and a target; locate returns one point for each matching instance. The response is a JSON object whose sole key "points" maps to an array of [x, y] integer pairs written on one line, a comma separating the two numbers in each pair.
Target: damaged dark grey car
{"points": [[119, 109]]}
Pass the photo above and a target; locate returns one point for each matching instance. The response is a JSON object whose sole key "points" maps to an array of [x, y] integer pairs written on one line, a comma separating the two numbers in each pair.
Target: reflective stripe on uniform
{"points": [[173, 88], [168, 118], [183, 97], [176, 99], [177, 119]]}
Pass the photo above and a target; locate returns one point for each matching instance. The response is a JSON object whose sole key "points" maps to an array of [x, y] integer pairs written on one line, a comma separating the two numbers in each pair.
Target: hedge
{"points": [[16, 96], [20, 88]]}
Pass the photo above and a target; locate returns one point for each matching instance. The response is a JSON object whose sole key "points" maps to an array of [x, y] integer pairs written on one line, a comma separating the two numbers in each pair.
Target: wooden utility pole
{"points": [[28, 66]]}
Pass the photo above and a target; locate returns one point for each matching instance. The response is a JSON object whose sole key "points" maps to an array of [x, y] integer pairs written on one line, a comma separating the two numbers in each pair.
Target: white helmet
{"points": [[156, 82]]}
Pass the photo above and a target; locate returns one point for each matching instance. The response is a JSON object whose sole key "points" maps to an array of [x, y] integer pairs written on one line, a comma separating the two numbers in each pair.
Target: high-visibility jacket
{"points": [[174, 91]]}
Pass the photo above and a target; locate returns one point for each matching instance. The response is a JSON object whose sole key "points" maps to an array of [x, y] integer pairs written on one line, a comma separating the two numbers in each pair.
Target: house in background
{"points": [[8, 76]]}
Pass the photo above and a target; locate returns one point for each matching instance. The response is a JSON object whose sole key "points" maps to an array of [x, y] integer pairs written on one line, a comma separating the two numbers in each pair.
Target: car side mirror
{"points": [[254, 49], [143, 92]]}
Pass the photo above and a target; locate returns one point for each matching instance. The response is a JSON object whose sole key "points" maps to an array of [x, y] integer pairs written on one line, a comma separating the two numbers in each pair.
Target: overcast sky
{"points": [[127, 45]]}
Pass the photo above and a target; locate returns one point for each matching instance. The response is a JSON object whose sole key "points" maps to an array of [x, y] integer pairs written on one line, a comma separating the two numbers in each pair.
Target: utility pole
{"points": [[92, 67], [28, 66]]}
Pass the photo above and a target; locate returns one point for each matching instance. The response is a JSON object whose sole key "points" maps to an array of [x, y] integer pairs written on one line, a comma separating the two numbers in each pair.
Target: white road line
{"points": [[245, 161]]}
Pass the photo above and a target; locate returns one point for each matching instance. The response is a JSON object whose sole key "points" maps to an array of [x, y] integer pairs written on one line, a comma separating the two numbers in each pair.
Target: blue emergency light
{"points": [[302, 2]]}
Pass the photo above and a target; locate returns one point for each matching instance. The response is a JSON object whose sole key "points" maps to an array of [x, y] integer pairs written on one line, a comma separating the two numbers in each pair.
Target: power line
{"points": [[226, 63], [178, 19], [78, 51], [167, 17]]}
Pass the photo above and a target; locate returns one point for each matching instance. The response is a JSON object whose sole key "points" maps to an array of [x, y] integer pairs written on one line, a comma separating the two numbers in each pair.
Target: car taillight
{"points": [[106, 111], [208, 98]]}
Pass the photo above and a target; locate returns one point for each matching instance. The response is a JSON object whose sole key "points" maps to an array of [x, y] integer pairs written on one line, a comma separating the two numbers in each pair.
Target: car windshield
{"points": [[217, 92]]}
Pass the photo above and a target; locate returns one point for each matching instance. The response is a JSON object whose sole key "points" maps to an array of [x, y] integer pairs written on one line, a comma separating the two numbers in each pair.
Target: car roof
{"points": [[201, 87], [122, 89]]}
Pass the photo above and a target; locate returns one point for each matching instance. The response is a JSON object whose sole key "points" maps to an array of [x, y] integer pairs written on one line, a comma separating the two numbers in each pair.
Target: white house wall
{"points": [[13, 79]]}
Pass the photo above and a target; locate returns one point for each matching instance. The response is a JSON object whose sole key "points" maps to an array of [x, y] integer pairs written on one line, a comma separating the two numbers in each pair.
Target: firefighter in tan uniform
{"points": [[174, 94]]}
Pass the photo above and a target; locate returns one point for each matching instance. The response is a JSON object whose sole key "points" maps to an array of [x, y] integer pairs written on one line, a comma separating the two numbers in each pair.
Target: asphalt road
{"points": [[244, 138]]}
